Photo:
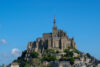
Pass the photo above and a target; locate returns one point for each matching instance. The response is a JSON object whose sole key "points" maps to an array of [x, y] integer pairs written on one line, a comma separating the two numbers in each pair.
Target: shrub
{"points": [[49, 58], [88, 55]]}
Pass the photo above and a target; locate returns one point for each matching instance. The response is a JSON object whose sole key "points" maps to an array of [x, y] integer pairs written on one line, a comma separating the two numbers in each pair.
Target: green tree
{"points": [[88, 55], [34, 55], [23, 54]]}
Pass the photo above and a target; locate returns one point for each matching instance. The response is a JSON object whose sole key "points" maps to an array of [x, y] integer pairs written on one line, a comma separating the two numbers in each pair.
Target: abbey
{"points": [[57, 40]]}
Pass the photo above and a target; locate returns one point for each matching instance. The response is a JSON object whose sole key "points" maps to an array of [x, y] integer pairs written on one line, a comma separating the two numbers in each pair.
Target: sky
{"points": [[22, 21]]}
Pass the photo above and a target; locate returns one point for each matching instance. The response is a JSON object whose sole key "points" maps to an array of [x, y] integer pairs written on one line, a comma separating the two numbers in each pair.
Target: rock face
{"points": [[57, 40]]}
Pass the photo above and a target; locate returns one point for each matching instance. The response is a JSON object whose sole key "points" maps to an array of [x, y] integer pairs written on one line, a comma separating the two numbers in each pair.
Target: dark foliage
{"points": [[34, 55]]}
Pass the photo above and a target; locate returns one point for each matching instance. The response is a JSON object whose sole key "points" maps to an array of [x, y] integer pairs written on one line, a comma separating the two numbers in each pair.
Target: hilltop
{"points": [[55, 49]]}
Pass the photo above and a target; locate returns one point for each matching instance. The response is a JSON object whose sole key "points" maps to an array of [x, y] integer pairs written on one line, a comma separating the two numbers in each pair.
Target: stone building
{"points": [[57, 40], [14, 65]]}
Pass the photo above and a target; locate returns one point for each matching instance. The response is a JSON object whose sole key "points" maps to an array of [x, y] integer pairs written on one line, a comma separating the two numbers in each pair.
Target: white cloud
{"points": [[3, 41], [16, 52]]}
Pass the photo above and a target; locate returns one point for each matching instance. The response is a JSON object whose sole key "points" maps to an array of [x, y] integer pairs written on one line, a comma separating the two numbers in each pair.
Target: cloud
{"points": [[16, 52], [3, 41]]}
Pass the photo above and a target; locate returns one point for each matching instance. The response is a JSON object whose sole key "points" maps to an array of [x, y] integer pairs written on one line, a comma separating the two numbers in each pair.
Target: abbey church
{"points": [[57, 40]]}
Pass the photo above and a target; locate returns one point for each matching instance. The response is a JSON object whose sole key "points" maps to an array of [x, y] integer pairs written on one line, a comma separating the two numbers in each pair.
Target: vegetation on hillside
{"points": [[48, 55]]}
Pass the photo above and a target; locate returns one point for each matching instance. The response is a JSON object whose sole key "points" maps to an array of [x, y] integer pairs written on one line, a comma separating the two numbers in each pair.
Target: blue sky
{"points": [[22, 21]]}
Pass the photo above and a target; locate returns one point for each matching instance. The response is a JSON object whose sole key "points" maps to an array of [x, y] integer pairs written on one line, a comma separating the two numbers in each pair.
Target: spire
{"points": [[54, 26], [54, 22]]}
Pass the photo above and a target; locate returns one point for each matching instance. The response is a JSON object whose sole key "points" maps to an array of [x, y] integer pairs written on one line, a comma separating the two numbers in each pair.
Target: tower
{"points": [[54, 26]]}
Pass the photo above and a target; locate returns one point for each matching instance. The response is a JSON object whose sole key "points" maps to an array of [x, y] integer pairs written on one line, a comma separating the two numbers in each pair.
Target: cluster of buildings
{"points": [[57, 40]]}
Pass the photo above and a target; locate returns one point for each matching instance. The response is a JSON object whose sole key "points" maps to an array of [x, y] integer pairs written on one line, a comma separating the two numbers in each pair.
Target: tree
{"points": [[23, 54], [34, 55], [88, 55]]}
